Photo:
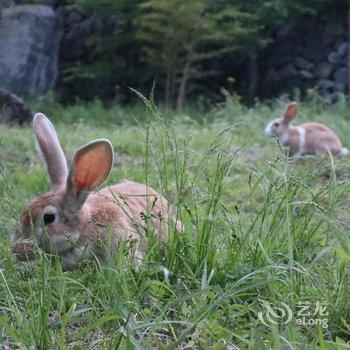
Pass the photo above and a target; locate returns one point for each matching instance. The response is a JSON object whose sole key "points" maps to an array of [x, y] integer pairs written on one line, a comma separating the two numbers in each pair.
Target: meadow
{"points": [[260, 229]]}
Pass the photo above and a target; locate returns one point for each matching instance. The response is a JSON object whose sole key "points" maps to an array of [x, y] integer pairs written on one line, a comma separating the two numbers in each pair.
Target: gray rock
{"points": [[314, 49], [327, 42], [323, 70], [334, 29], [74, 17], [337, 44], [341, 75], [304, 64], [285, 30], [29, 45], [343, 48], [77, 29], [287, 71], [344, 61], [306, 75], [325, 84], [334, 57], [4, 4], [13, 109], [339, 87]]}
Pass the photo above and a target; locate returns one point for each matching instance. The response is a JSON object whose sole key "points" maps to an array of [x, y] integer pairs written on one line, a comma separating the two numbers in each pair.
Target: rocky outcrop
{"points": [[13, 109], [311, 54], [77, 27], [29, 46]]}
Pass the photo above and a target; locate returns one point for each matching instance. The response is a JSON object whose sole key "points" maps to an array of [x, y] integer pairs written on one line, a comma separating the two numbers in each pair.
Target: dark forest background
{"points": [[192, 50]]}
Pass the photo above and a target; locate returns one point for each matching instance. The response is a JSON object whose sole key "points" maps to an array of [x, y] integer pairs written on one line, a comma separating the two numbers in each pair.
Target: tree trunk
{"points": [[167, 87], [252, 75], [181, 98]]}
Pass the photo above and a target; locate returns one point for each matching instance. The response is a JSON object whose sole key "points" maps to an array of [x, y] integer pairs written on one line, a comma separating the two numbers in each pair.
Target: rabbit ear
{"points": [[91, 166], [55, 160], [290, 112]]}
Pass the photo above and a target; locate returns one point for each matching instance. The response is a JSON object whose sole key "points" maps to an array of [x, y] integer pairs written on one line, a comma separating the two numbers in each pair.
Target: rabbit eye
{"points": [[277, 124], [49, 218]]}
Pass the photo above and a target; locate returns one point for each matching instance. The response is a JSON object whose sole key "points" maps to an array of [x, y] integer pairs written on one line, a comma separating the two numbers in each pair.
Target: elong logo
{"points": [[308, 314], [274, 315]]}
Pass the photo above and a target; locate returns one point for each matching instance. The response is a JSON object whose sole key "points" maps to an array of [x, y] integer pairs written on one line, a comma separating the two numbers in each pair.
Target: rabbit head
{"points": [[54, 219], [280, 126]]}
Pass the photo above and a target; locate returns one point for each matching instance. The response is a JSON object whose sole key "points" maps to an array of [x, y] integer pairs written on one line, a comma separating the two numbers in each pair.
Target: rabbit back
{"points": [[319, 138]]}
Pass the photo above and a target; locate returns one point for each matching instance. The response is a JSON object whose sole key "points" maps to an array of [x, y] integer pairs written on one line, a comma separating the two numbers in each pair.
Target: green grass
{"points": [[258, 227]]}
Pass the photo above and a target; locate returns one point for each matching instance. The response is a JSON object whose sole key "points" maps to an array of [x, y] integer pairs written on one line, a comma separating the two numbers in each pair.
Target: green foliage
{"points": [[114, 56], [177, 36], [190, 49], [163, 40], [179, 44], [258, 226]]}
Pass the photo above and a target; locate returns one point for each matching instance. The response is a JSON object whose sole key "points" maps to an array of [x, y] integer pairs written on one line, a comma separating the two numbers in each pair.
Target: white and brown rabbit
{"points": [[307, 138], [74, 221]]}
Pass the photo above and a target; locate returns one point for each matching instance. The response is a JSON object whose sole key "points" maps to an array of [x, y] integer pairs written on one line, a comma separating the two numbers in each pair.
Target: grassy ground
{"points": [[260, 230]]}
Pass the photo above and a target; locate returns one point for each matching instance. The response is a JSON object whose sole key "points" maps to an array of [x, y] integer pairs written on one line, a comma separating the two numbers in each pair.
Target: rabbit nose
{"points": [[268, 129]]}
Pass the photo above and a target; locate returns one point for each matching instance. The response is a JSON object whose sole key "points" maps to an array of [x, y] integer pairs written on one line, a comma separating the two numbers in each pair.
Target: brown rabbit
{"points": [[307, 138], [77, 223]]}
